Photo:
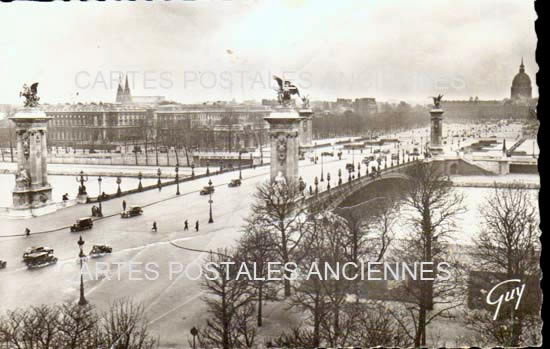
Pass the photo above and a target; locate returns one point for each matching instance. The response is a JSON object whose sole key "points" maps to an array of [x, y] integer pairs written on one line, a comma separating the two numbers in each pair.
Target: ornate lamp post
{"points": [[177, 180], [83, 178], [99, 197], [118, 181], [240, 172], [194, 333], [140, 176], [316, 182], [159, 172], [328, 177], [81, 255], [210, 220], [302, 185], [322, 169]]}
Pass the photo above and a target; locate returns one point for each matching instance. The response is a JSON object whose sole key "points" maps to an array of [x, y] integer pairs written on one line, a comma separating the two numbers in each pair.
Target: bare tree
{"points": [[280, 210], [508, 248], [258, 251], [124, 325], [74, 326], [228, 302], [432, 206]]}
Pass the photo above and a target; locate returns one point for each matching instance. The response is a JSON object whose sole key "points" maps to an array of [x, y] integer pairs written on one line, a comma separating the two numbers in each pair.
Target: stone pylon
{"points": [[32, 195], [436, 131], [284, 135]]}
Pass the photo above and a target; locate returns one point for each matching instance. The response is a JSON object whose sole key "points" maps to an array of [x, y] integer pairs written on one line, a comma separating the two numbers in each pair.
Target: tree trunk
{"points": [[260, 299]]}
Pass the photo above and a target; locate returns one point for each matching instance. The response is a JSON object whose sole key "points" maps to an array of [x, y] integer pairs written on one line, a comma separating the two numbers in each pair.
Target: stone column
{"points": [[32, 195], [284, 140], [436, 131]]}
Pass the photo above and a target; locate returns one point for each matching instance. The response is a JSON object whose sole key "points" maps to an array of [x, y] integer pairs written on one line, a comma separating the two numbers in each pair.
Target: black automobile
{"points": [[327, 153], [207, 190], [84, 223], [132, 212], [100, 250], [234, 183]]}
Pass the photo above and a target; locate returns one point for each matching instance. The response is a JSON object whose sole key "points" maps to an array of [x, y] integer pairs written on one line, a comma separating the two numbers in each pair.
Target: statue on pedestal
{"points": [[30, 94], [437, 101], [285, 91]]}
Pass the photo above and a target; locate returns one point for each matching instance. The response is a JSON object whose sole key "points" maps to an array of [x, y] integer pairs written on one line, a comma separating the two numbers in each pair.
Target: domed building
{"points": [[521, 85]]}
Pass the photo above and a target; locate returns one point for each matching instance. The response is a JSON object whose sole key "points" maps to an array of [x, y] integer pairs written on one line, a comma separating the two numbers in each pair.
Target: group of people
{"points": [[185, 226]]}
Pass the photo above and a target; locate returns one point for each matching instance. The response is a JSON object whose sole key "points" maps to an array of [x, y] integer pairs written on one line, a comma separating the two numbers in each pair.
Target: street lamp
{"points": [[81, 255], [99, 197], [240, 172], [192, 170], [194, 333], [159, 172], [316, 181], [140, 176], [177, 180], [118, 181], [207, 167], [210, 220], [83, 178], [322, 175]]}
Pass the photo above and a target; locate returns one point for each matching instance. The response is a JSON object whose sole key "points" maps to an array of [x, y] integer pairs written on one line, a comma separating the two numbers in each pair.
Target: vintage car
{"points": [[132, 212], [207, 190], [82, 224], [327, 153], [34, 249], [350, 167], [234, 183], [39, 257], [100, 250], [3, 264]]}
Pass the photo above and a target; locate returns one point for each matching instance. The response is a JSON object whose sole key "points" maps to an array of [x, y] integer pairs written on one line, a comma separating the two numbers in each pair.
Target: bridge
{"points": [[363, 188]]}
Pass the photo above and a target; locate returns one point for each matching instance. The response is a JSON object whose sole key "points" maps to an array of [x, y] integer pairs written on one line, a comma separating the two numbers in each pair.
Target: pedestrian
{"points": [[197, 225], [154, 227], [27, 232], [186, 225], [94, 211], [123, 205]]}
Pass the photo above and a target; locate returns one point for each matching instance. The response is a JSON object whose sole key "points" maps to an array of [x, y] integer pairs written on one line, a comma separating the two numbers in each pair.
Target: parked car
{"points": [[100, 250], [207, 190], [132, 212], [234, 183], [84, 223], [327, 153]]}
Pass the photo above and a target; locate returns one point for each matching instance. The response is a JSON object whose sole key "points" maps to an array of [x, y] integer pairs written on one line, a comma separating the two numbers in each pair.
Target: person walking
{"points": [[197, 225], [123, 205], [186, 225], [154, 227], [27, 232]]}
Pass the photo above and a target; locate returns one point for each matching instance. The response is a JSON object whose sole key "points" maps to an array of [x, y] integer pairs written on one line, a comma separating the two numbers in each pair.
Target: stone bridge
{"points": [[364, 188]]}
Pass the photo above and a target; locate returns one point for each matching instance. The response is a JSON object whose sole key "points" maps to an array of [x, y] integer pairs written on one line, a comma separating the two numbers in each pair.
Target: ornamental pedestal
{"points": [[284, 132], [306, 126], [436, 131], [32, 195]]}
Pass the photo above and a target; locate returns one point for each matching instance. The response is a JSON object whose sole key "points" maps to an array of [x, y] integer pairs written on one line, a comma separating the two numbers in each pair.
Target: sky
{"points": [[193, 51]]}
